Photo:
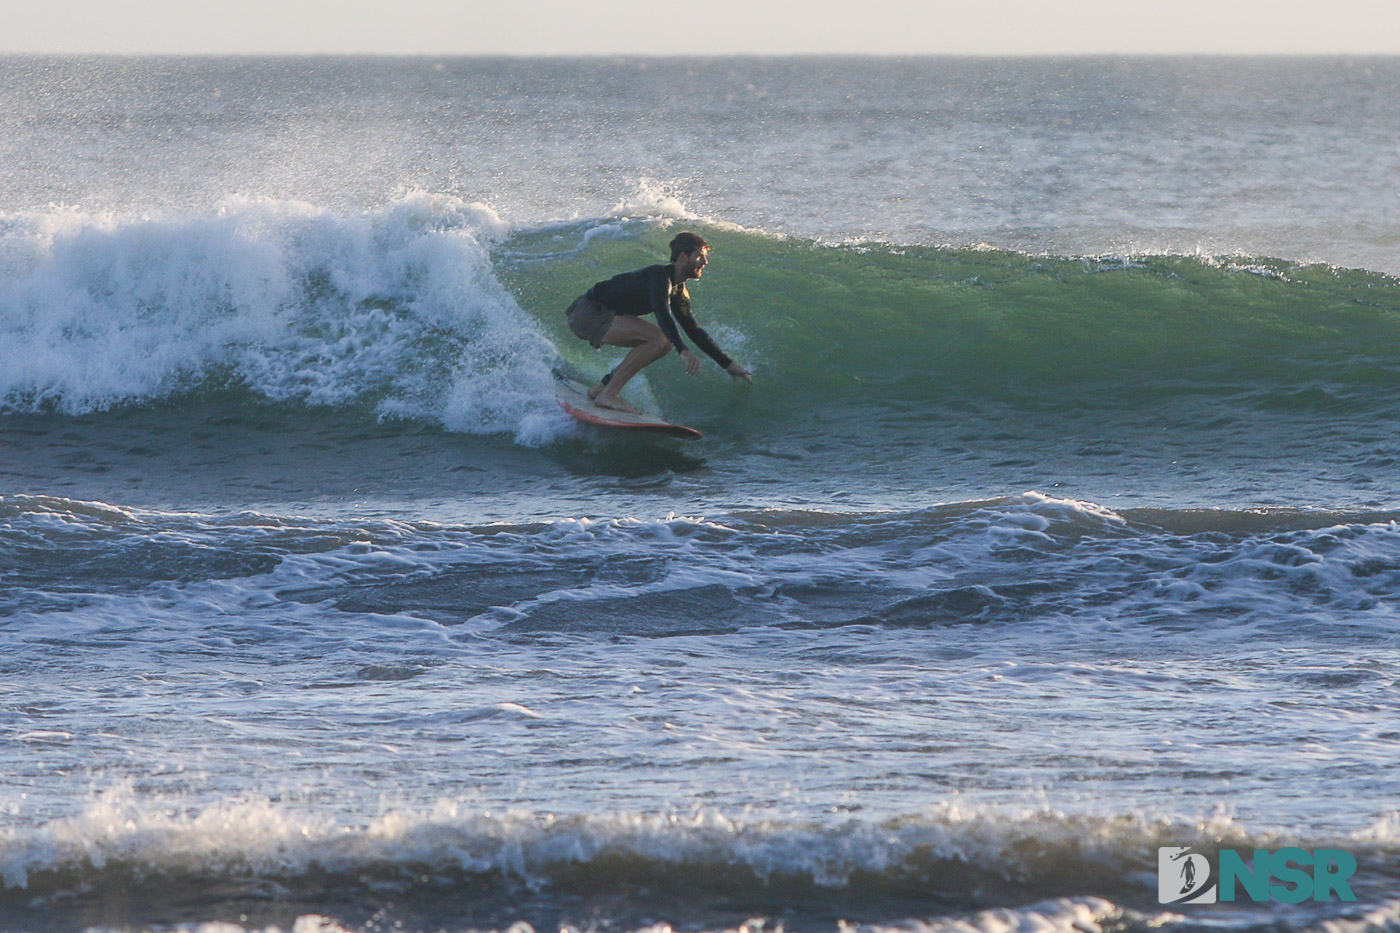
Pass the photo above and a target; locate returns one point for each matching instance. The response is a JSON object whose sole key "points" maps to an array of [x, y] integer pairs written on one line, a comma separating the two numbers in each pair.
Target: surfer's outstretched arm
{"points": [[706, 343]]}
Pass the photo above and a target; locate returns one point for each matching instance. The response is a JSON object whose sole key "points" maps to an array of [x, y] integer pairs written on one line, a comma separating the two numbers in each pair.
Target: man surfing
{"points": [[611, 313]]}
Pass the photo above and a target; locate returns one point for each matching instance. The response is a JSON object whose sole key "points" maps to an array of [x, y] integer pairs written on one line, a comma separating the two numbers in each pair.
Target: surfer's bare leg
{"points": [[647, 344]]}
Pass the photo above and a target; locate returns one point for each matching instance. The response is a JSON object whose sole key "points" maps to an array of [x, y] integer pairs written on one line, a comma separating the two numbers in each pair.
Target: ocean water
{"points": [[1059, 523]]}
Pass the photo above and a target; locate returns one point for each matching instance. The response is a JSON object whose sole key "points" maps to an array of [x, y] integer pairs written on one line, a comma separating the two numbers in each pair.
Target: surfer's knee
{"points": [[660, 345]]}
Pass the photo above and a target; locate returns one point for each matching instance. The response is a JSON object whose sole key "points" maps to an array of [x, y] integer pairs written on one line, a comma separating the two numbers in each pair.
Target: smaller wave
{"points": [[1025, 561], [691, 867]]}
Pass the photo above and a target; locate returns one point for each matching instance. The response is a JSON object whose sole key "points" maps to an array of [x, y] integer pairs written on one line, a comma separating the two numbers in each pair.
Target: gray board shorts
{"points": [[590, 320]]}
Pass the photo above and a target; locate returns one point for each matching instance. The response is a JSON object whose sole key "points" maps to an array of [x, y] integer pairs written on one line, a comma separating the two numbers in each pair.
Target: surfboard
{"points": [[573, 398]]}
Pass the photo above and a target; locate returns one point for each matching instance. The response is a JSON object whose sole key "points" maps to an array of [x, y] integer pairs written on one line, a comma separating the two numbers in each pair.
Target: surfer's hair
{"points": [[686, 242]]}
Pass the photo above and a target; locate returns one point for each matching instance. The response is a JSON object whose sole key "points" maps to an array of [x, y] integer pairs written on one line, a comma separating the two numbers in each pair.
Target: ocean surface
{"points": [[1060, 523]]}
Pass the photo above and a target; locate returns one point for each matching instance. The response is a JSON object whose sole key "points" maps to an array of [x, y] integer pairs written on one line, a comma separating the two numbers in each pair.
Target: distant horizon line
{"points": [[694, 56]]}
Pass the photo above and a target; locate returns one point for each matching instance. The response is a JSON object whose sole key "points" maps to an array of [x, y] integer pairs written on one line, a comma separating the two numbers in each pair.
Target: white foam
{"points": [[397, 309], [123, 826], [650, 199]]}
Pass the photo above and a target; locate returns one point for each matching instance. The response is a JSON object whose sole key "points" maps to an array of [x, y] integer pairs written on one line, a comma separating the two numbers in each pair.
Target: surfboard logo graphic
{"points": [[1185, 877]]}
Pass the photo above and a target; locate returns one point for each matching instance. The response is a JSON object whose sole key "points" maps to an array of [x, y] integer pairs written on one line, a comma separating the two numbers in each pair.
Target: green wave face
{"points": [[878, 326], [914, 372]]}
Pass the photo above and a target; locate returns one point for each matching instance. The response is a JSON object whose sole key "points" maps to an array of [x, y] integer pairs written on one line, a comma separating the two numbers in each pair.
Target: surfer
{"points": [[611, 313], [1188, 874]]}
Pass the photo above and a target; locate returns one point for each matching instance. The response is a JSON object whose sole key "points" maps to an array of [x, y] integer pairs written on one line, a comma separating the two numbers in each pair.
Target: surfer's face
{"points": [[692, 265]]}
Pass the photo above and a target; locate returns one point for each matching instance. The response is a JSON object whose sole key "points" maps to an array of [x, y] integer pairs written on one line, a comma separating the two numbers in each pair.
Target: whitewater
{"points": [[1059, 524]]}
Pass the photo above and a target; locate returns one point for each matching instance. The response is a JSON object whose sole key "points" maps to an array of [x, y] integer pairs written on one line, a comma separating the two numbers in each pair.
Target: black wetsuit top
{"points": [[648, 291]]}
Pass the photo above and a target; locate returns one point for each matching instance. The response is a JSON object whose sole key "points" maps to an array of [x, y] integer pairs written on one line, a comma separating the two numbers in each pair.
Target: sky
{"points": [[702, 27]]}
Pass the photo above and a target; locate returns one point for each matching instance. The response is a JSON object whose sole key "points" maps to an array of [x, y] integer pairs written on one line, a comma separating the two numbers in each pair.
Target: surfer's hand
{"points": [[692, 363], [739, 372]]}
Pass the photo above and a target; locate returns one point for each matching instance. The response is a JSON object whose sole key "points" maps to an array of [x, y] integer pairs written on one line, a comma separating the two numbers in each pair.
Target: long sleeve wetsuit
{"points": [[648, 291]]}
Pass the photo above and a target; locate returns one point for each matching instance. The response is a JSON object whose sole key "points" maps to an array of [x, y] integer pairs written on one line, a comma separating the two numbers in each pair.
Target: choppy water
{"points": [[1058, 524]]}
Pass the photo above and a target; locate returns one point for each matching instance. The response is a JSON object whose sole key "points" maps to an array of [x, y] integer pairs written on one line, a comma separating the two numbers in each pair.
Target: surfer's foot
{"points": [[611, 400], [602, 384]]}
